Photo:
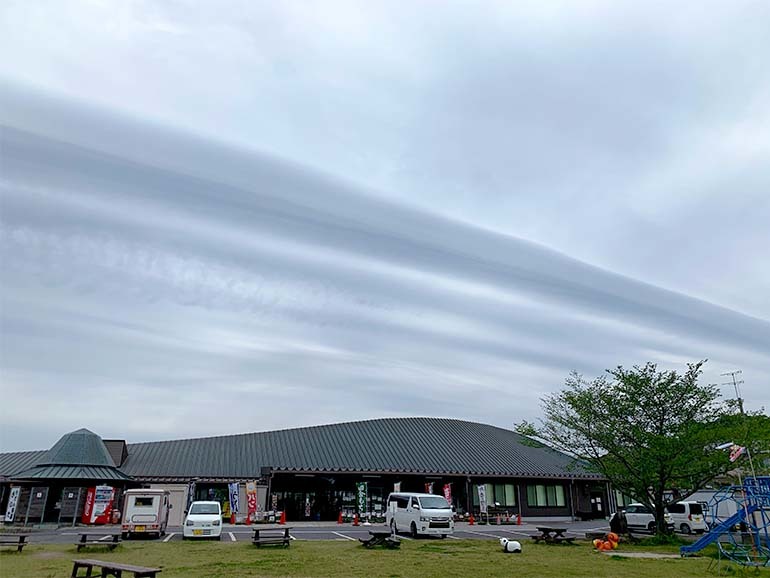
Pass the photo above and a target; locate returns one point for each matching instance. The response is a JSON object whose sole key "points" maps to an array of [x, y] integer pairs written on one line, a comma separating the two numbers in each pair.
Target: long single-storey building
{"points": [[312, 473]]}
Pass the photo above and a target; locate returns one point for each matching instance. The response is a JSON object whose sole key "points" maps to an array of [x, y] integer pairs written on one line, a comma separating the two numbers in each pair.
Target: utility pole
{"points": [[735, 383]]}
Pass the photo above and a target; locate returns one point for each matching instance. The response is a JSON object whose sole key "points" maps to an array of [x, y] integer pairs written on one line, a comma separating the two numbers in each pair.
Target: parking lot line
{"points": [[167, 538], [344, 536], [232, 537], [481, 534]]}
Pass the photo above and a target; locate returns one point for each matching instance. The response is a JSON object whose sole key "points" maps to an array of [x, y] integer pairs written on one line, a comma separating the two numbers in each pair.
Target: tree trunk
{"points": [[661, 528]]}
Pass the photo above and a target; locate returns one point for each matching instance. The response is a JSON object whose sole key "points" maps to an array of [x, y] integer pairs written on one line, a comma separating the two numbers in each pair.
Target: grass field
{"points": [[423, 559]]}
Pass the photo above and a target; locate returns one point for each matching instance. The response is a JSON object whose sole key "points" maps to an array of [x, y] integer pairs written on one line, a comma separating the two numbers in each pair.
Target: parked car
{"points": [[687, 517], [639, 517], [204, 520], [145, 512], [420, 514]]}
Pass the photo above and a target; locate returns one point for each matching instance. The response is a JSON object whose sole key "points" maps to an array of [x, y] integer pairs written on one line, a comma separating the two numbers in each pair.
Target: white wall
{"points": [[178, 501]]}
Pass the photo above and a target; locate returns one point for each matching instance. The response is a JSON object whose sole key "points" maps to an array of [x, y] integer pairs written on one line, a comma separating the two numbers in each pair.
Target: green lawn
{"points": [[423, 559]]}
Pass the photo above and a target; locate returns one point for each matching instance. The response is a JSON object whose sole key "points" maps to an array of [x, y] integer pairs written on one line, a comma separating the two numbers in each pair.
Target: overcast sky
{"points": [[221, 217]]}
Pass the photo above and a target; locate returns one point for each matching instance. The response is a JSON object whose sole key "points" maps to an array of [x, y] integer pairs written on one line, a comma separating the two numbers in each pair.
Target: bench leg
{"points": [[76, 570]]}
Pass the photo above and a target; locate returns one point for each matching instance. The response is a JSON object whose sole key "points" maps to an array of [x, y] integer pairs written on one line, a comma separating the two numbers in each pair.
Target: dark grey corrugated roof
{"points": [[397, 445], [41, 471], [13, 462]]}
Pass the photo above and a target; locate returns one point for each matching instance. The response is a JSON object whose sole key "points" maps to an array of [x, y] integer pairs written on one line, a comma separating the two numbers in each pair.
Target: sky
{"points": [[224, 217]]}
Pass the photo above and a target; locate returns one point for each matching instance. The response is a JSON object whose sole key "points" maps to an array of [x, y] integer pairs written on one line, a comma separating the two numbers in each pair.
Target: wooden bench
{"points": [[84, 542], [14, 540], [112, 569], [272, 539], [381, 539], [552, 536]]}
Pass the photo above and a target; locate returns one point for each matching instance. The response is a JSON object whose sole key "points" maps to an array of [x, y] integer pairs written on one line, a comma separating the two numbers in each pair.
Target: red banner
{"points": [[448, 493], [251, 499]]}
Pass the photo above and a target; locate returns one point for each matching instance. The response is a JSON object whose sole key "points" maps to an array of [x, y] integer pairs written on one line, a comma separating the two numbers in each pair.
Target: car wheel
{"points": [[124, 536], [685, 529], [651, 527], [414, 530], [443, 536], [393, 527]]}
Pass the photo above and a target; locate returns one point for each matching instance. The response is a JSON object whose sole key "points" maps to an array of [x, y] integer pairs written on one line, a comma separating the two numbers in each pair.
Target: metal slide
{"points": [[713, 535]]}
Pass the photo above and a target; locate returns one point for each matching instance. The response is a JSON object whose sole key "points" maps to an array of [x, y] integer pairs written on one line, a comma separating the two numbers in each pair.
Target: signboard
{"points": [[13, 500], [234, 497], [448, 493], [251, 499], [482, 498], [362, 489], [190, 495]]}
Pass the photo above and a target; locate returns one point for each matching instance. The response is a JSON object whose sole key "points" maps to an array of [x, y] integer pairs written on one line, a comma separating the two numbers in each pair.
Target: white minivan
{"points": [[687, 517], [420, 514], [145, 512], [204, 520]]}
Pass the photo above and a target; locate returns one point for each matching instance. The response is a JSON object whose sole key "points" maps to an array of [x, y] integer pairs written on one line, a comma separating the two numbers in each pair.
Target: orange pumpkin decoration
{"points": [[597, 543], [613, 537], [614, 545], [606, 545]]}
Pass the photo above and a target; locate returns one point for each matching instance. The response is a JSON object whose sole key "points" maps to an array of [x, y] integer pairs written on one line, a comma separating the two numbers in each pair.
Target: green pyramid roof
{"points": [[78, 448]]}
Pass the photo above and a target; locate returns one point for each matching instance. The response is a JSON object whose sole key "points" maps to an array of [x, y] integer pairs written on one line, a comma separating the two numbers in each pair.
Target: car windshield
{"points": [[204, 509], [434, 503]]}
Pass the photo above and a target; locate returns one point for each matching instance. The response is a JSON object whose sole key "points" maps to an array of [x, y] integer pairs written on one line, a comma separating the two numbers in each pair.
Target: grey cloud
{"points": [[141, 259]]}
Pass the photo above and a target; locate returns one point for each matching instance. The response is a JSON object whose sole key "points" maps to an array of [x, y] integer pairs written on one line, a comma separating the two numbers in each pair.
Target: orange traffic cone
{"points": [[283, 518], [339, 519], [248, 519], [232, 519], [355, 520], [518, 519], [471, 520]]}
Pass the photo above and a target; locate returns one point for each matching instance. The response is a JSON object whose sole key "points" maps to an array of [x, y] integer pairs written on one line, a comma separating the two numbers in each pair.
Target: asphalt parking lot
{"points": [[344, 532]]}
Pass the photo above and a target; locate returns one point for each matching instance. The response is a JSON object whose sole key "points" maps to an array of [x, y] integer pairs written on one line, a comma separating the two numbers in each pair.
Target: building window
{"points": [[498, 495], [546, 496]]}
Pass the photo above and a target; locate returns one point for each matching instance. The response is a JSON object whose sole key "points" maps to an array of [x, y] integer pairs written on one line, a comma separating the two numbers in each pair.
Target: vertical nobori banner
{"points": [[190, 495], [397, 487], [448, 493], [428, 487], [234, 497], [251, 499], [482, 489], [362, 491], [13, 501]]}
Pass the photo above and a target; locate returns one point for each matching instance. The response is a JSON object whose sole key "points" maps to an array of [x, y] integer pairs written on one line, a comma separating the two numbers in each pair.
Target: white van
{"points": [[688, 517], [204, 520], [145, 512], [420, 514]]}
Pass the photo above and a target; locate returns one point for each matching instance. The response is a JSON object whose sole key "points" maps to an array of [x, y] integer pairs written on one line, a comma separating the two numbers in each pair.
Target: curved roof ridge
{"points": [[322, 426]]}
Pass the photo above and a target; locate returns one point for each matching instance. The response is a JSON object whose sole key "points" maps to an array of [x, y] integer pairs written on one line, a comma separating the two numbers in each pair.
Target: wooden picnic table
{"points": [[551, 535], [84, 542], [115, 569], [17, 540], [381, 538], [272, 538]]}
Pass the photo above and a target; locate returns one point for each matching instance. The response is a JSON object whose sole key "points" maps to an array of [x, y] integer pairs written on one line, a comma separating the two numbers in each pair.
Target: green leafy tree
{"points": [[647, 431]]}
